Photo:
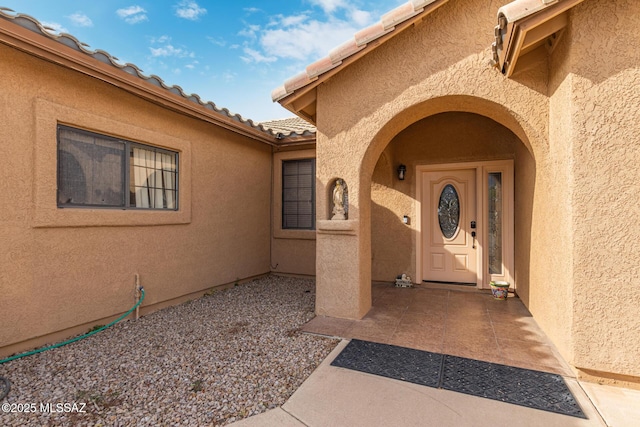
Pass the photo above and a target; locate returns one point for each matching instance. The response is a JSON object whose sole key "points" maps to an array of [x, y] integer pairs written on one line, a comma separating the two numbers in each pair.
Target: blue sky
{"points": [[233, 53]]}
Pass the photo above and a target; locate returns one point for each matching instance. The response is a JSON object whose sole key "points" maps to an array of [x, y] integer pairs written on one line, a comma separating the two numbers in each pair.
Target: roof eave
{"points": [[50, 50], [524, 25], [297, 141], [302, 99]]}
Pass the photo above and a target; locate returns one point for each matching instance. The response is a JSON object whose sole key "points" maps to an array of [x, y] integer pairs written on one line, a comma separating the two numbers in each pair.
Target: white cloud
{"points": [[188, 9], [311, 40], [251, 9], [290, 21], [361, 18], [169, 50], [80, 19], [255, 56], [330, 6], [229, 76], [54, 27], [218, 41], [192, 66], [161, 39], [301, 38], [250, 31], [132, 14]]}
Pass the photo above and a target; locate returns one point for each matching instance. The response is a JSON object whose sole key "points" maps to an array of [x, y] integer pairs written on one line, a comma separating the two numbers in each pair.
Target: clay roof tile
{"points": [[360, 41], [32, 24]]}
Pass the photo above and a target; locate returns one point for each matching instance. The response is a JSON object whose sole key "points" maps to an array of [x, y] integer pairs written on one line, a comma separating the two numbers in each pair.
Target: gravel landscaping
{"points": [[211, 361]]}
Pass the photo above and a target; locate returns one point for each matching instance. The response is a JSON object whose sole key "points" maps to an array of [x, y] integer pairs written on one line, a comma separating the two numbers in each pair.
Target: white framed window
{"points": [[100, 171]]}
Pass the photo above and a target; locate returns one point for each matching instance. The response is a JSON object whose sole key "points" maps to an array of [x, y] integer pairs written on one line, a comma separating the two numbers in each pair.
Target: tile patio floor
{"points": [[452, 320]]}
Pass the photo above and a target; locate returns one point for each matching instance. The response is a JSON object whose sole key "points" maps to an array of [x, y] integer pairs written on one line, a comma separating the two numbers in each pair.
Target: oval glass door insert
{"points": [[449, 211]]}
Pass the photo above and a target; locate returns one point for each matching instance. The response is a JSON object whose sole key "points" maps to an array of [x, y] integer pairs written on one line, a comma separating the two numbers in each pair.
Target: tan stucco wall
{"points": [[577, 128], [63, 267], [364, 107], [442, 138], [292, 251], [604, 124]]}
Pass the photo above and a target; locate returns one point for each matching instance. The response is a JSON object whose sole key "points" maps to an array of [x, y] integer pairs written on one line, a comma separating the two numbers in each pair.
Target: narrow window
{"points": [[298, 194], [495, 223], [98, 171]]}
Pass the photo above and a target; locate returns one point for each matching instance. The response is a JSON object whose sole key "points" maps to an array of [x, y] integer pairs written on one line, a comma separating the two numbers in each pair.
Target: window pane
{"points": [[449, 211], [305, 221], [304, 208], [305, 194], [290, 168], [90, 169], [305, 181], [290, 181], [93, 170], [153, 181], [298, 195], [495, 223]]}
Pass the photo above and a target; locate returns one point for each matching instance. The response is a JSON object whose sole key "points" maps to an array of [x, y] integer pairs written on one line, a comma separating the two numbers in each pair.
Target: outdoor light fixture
{"points": [[401, 170]]}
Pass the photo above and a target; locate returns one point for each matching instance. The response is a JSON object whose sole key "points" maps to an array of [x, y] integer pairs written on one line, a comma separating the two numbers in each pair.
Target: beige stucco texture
{"points": [[452, 137], [569, 122], [61, 268], [292, 251], [604, 114]]}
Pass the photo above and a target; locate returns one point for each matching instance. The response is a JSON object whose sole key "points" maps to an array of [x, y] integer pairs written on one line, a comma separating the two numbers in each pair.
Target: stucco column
{"points": [[343, 248], [343, 282]]}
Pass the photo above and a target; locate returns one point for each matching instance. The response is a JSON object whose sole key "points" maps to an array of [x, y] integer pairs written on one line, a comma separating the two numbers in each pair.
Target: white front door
{"points": [[449, 226]]}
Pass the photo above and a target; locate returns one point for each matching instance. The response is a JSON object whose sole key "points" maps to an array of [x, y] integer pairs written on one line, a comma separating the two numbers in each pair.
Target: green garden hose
{"points": [[78, 338]]}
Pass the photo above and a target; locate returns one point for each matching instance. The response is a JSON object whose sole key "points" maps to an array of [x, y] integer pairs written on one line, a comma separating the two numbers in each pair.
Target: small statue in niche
{"points": [[338, 201]]}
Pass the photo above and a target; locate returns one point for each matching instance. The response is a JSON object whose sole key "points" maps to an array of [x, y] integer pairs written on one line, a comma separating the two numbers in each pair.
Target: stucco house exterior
{"points": [[474, 141], [525, 113], [113, 178]]}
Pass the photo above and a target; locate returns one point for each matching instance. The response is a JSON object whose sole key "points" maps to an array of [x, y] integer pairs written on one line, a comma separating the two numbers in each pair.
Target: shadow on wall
{"points": [[392, 241], [392, 245], [524, 191], [452, 137]]}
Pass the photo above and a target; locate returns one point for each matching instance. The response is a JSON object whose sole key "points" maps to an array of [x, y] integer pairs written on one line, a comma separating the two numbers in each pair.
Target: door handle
{"points": [[473, 234]]}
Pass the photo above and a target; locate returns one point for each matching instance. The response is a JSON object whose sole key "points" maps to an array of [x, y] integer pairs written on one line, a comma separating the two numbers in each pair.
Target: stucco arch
{"points": [[501, 114], [404, 201], [344, 254]]}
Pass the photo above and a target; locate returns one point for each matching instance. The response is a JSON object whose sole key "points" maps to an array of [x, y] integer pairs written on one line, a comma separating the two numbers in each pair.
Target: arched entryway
{"points": [[349, 254], [440, 140], [465, 161]]}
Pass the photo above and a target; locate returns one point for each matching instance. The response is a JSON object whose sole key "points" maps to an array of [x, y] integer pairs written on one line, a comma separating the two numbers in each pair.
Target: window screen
{"points": [[298, 194], [97, 171], [90, 169]]}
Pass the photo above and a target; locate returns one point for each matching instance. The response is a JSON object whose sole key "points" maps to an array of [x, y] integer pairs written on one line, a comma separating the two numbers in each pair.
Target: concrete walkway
{"points": [[334, 396]]}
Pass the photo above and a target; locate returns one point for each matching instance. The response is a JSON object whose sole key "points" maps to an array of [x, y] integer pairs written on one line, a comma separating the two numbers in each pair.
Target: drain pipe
{"points": [[137, 295]]}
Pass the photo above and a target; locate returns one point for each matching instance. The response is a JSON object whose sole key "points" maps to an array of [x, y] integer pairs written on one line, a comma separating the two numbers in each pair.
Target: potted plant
{"points": [[499, 290]]}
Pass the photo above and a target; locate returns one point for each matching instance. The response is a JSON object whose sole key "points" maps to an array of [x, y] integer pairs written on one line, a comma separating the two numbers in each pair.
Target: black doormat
{"points": [[524, 387], [400, 363]]}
